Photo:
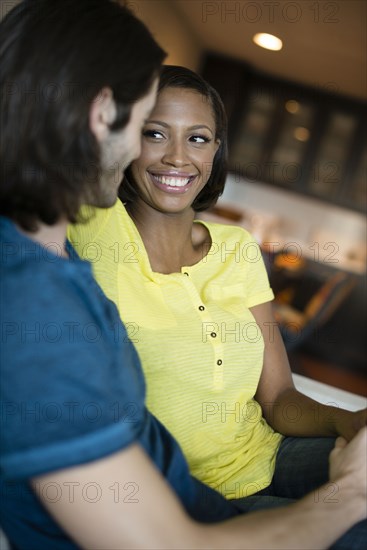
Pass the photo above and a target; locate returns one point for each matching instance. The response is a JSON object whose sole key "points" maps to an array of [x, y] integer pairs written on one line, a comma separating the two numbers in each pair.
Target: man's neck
{"points": [[51, 237]]}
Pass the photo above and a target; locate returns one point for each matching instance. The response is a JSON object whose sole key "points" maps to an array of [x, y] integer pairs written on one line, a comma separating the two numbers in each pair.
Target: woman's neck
{"points": [[171, 240]]}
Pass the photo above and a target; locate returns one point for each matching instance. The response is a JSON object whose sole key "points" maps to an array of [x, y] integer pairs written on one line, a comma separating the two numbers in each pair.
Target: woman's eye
{"points": [[152, 134], [199, 139]]}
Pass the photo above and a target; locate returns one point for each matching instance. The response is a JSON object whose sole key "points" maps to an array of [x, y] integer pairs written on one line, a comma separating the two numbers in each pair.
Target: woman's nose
{"points": [[175, 154]]}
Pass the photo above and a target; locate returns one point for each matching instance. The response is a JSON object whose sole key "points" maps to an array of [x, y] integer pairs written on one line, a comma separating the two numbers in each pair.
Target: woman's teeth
{"points": [[172, 182]]}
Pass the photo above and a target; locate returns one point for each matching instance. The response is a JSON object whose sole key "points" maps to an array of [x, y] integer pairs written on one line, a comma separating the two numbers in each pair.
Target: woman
{"points": [[196, 300]]}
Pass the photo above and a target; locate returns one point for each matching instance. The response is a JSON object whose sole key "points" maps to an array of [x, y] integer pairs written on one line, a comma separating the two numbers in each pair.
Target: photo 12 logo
{"points": [[270, 12]]}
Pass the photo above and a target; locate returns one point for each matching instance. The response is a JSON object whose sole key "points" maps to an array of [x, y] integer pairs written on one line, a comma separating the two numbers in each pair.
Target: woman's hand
{"points": [[348, 424]]}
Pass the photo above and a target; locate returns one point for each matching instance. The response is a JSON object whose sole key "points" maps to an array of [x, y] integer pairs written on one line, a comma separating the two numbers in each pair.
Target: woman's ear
{"points": [[217, 144], [102, 113]]}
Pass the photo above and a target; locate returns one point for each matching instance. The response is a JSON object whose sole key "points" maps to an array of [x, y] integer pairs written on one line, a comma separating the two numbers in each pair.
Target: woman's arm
{"points": [[287, 410]]}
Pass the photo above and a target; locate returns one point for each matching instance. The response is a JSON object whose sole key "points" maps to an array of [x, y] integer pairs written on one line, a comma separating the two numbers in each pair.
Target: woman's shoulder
{"points": [[227, 232], [93, 221]]}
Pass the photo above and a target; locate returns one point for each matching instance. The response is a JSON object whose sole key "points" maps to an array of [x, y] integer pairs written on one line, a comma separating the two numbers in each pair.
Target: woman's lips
{"points": [[172, 182]]}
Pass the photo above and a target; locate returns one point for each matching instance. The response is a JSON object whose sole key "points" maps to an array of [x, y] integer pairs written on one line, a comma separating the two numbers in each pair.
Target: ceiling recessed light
{"points": [[268, 41]]}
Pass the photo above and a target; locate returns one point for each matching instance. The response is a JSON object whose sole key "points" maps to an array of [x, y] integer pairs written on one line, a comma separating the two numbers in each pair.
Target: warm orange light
{"points": [[292, 106], [268, 41], [301, 133]]}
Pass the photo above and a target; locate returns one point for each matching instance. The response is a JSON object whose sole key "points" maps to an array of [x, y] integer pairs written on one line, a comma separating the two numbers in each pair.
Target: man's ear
{"points": [[102, 113]]}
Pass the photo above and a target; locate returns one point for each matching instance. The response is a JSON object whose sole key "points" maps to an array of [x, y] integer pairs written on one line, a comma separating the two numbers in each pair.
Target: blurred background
{"points": [[298, 157]]}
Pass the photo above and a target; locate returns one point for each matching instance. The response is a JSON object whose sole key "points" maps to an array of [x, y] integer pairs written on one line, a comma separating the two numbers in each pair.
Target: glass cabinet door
{"points": [[328, 170], [271, 142], [247, 152], [287, 157]]}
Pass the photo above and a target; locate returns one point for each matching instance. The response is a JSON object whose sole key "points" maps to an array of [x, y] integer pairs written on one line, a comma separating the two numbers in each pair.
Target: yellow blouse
{"points": [[200, 347]]}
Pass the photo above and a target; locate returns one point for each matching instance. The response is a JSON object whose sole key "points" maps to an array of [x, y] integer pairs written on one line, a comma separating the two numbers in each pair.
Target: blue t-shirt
{"points": [[72, 390]]}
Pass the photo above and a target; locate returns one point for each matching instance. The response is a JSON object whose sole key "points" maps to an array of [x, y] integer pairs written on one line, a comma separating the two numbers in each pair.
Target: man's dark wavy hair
{"points": [[180, 77], [55, 57]]}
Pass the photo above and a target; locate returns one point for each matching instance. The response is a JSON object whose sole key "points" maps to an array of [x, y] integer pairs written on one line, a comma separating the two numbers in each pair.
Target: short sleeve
{"points": [[71, 391], [258, 289]]}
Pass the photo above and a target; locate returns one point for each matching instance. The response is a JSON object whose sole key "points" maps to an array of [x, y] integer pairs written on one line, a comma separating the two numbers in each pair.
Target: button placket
{"points": [[213, 338]]}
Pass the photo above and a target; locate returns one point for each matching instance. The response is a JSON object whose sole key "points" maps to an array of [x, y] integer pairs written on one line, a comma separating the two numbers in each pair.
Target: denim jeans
{"points": [[301, 467]]}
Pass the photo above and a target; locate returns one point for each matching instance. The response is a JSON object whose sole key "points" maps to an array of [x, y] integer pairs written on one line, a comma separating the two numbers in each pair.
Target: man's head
{"points": [[120, 147], [71, 74]]}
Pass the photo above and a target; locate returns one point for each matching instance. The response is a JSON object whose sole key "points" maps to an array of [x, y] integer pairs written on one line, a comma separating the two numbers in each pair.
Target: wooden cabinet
{"points": [[302, 139]]}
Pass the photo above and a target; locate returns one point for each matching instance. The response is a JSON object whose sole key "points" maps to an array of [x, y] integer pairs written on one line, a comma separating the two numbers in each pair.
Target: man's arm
{"points": [[135, 509], [153, 517]]}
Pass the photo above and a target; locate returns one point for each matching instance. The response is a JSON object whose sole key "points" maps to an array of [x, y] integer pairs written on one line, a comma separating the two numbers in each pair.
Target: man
{"points": [[83, 462]]}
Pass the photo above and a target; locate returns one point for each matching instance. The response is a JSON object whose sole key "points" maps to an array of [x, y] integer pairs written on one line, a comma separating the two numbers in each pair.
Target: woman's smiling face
{"points": [[178, 148]]}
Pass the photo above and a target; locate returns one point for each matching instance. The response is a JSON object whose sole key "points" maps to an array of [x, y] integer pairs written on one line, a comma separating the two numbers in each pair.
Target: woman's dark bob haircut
{"points": [[55, 58], [181, 77]]}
